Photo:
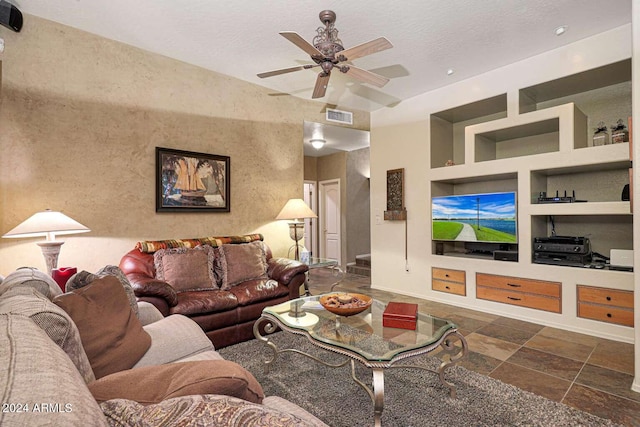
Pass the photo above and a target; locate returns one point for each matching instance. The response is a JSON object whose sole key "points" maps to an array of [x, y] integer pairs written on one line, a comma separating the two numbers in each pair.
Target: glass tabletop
{"points": [[362, 333], [315, 262]]}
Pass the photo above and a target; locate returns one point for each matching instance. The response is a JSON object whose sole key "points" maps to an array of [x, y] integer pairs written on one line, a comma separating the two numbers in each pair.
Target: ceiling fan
{"points": [[327, 52]]}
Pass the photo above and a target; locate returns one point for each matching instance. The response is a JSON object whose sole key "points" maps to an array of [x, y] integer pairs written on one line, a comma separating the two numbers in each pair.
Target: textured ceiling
{"points": [[240, 37]]}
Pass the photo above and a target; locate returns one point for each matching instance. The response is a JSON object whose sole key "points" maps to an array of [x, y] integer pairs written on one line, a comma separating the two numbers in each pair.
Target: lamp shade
{"points": [[296, 209], [48, 223]]}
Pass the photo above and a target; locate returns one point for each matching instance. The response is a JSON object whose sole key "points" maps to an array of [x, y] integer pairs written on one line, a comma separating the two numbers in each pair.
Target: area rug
{"points": [[413, 397]]}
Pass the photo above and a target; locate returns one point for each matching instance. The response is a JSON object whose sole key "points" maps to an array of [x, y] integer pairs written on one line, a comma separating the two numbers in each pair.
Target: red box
{"points": [[401, 315]]}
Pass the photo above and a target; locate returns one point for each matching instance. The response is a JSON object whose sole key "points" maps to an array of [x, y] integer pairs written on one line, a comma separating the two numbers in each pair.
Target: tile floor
{"points": [[588, 373]]}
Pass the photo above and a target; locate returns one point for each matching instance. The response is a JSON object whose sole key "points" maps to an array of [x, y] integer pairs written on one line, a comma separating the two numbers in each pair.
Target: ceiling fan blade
{"points": [[285, 70], [365, 49], [296, 39], [367, 76], [321, 85]]}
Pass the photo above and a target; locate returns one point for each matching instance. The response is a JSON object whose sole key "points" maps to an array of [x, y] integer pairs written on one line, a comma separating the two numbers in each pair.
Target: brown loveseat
{"points": [[245, 278]]}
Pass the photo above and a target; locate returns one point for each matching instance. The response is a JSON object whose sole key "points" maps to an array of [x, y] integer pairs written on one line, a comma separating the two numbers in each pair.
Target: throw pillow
{"points": [[83, 278], [33, 278], [53, 320], [245, 261], [186, 269], [200, 410], [111, 334], [153, 384]]}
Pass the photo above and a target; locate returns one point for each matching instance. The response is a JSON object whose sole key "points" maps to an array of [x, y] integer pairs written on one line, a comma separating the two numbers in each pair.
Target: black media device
{"points": [[505, 255], [10, 16]]}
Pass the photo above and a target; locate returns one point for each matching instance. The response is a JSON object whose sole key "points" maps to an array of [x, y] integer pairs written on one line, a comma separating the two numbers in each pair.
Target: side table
{"points": [[332, 264]]}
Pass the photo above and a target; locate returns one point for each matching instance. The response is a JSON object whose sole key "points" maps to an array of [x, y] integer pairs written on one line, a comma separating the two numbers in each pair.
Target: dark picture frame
{"points": [[187, 181]]}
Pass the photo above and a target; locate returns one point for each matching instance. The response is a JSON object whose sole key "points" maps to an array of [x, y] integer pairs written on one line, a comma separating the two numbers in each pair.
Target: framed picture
{"points": [[191, 182]]}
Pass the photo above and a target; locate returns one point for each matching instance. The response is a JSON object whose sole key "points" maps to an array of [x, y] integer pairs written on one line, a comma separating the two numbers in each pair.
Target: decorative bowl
{"points": [[345, 309]]}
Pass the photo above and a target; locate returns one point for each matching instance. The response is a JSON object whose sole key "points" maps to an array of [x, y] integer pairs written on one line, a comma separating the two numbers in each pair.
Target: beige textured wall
{"points": [[358, 204], [311, 168], [80, 117]]}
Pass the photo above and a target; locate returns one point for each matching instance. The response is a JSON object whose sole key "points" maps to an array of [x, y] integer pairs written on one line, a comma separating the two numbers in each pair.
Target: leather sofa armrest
{"points": [[145, 286], [284, 270]]}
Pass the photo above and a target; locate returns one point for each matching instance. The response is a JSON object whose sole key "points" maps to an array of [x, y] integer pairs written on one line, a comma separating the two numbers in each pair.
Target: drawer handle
{"points": [[446, 275], [446, 287], [514, 298], [609, 315], [608, 298], [514, 285]]}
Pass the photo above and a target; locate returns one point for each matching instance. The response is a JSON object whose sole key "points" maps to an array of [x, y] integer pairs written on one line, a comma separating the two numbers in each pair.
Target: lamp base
{"points": [[296, 232], [51, 250]]}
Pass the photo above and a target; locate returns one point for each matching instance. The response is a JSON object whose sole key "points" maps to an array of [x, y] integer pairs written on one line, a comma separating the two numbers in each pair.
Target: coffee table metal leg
{"points": [[269, 328], [456, 353], [377, 394]]}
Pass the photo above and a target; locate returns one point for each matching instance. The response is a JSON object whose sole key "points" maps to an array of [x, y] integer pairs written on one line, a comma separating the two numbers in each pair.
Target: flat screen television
{"points": [[486, 218]]}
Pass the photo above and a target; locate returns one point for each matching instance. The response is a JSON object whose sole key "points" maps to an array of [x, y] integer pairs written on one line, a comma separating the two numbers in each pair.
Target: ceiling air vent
{"points": [[344, 117]]}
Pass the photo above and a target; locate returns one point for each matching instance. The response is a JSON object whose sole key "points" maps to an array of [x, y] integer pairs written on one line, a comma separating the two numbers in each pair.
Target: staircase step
{"points": [[363, 260], [360, 270]]}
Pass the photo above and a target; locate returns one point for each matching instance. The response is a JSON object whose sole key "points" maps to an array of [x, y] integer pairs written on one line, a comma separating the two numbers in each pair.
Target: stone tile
{"points": [[505, 333], [612, 382], [493, 347], [464, 322], [560, 347], [480, 363], [605, 405], [533, 381], [614, 355], [548, 363], [569, 336], [518, 324]]}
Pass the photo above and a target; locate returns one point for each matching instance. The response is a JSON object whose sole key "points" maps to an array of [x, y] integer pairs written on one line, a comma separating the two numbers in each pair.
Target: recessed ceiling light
{"points": [[560, 30], [450, 71]]}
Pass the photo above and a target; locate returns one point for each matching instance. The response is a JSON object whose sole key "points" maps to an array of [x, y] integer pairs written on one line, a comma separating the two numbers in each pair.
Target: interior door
{"points": [[330, 237]]}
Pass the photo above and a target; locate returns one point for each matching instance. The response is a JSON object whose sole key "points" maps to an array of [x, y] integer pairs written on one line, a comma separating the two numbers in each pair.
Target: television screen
{"points": [[487, 217]]}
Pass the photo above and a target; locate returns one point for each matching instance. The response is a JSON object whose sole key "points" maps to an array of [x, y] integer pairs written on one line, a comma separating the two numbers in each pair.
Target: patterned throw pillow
{"points": [[187, 269], [199, 410], [242, 262]]}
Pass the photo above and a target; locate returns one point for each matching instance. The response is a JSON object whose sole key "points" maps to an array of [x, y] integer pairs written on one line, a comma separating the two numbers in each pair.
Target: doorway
{"points": [[330, 236]]}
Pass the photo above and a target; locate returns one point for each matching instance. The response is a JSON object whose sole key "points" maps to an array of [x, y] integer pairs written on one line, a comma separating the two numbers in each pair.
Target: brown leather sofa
{"points": [[226, 316]]}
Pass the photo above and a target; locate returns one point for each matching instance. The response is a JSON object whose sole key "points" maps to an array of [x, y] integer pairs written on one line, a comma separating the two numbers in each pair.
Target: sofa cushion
{"points": [[111, 334], [254, 291], [203, 302], [33, 278], [186, 269], [243, 262], [197, 411], [153, 384], [83, 278], [36, 372], [53, 320]]}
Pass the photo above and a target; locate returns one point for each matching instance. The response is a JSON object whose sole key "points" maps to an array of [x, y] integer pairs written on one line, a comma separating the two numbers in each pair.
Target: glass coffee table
{"points": [[363, 338]]}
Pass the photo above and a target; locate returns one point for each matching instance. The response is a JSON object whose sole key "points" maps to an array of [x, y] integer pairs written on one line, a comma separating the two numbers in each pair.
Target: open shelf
{"points": [[448, 127]]}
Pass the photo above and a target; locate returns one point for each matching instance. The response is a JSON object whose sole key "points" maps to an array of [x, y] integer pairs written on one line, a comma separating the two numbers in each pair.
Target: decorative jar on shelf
{"points": [[601, 135], [619, 133]]}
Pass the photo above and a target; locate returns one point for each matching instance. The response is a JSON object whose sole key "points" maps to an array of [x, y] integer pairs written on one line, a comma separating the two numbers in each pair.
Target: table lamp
{"points": [[296, 210], [48, 223]]}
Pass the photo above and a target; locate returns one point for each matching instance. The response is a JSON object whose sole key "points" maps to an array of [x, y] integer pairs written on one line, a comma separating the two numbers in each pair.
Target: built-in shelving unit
{"points": [[543, 147]]}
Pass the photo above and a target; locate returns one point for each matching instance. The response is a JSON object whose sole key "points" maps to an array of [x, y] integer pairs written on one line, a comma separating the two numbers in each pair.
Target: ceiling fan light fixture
{"points": [[317, 143]]}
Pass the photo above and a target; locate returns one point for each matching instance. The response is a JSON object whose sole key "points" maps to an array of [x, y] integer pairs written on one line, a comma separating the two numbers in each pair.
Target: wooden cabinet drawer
{"points": [[519, 284], [519, 298], [604, 313], [448, 275], [611, 297], [450, 287], [605, 305]]}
